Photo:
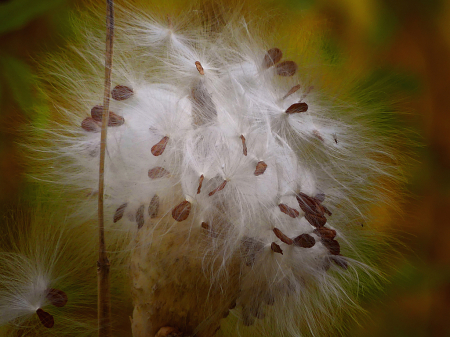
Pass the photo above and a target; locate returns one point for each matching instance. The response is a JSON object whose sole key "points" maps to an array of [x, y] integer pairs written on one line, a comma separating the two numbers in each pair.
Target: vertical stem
{"points": [[103, 266]]}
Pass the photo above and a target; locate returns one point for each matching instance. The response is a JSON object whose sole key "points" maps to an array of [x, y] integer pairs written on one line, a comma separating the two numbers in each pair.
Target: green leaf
{"points": [[16, 13]]}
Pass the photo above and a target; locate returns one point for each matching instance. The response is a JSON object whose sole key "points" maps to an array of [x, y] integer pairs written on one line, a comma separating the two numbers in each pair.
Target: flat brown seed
{"points": [[332, 245], [244, 145], [272, 57], [316, 220], [260, 168], [304, 241], [297, 108], [292, 212], [340, 261], [205, 225], [46, 319], [90, 125], [308, 204], [114, 119], [325, 233], [276, 248], [57, 297], [181, 211], [153, 207], [121, 92], [286, 68], [157, 172], [199, 68], [200, 183], [291, 91], [159, 147], [287, 240], [140, 216], [119, 212], [221, 187], [318, 135]]}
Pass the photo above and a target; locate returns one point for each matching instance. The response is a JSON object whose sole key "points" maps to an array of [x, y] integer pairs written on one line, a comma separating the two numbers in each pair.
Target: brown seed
{"points": [[304, 241], [140, 216], [45, 318], [90, 125], [272, 57], [276, 248], [157, 172], [291, 91], [260, 168], [221, 187], [159, 147], [205, 225], [119, 212], [318, 135], [121, 92], [292, 212], [181, 211], [286, 68], [323, 209], [316, 220], [283, 237], [325, 233], [297, 108], [199, 68], [244, 145], [332, 245], [153, 207], [114, 119], [200, 183], [308, 204], [57, 297], [340, 261]]}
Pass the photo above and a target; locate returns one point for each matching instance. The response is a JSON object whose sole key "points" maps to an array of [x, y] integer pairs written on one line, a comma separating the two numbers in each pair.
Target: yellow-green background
{"points": [[400, 48]]}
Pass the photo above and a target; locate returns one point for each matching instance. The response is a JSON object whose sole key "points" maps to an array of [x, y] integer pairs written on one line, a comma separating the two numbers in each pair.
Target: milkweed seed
{"points": [[159, 147], [157, 172], [286, 68], [119, 212], [304, 241], [318, 135], [340, 261], [57, 297], [291, 91], [140, 216], [316, 220], [276, 248], [325, 233], [283, 237], [121, 92], [272, 57], [332, 245], [200, 183], [114, 119], [90, 125], [199, 68], [307, 203], [205, 225], [221, 187], [297, 108], [292, 212], [244, 145], [260, 168], [153, 207], [46, 319], [181, 211]]}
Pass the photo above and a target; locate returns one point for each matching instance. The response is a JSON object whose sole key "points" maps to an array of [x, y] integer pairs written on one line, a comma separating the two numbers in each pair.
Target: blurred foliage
{"points": [[401, 51]]}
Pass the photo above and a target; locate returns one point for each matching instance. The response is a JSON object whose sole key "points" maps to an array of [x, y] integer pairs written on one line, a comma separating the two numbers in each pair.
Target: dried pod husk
{"points": [[181, 211], [121, 92]]}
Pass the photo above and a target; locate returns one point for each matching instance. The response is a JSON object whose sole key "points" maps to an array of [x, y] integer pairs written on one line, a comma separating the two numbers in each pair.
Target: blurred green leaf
{"points": [[18, 78], [16, 13]]}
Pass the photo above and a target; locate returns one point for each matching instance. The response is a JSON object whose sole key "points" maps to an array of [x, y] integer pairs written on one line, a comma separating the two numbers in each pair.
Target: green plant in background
{"points": [[237, 180]]}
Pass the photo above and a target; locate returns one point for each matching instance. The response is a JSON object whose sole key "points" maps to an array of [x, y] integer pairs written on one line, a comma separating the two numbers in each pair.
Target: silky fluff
{"points": [[235, 177]]}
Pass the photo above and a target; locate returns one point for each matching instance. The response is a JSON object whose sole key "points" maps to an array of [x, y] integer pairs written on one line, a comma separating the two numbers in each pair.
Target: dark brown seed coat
{"points": [[260, 168], [272, 57], [181, 211], [219, 188], [140, 216], [297, 108], [159, 147], [286, 68], [292, 212], [121, 92], [46, 319], [304, 241], [57, 297], [153, 207], [276, 248], [119, 212], [284, 238]]}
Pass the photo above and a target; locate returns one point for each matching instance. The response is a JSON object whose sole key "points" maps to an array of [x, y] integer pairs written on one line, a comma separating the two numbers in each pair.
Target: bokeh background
{"points": [[399, 48]]}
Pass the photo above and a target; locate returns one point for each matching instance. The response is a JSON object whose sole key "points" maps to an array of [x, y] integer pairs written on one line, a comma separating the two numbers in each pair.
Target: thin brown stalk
{"points": [[103, 266]]}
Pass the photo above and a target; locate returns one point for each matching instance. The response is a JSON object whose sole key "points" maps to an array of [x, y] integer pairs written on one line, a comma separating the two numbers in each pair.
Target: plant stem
{"points": [[103, 266]]}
